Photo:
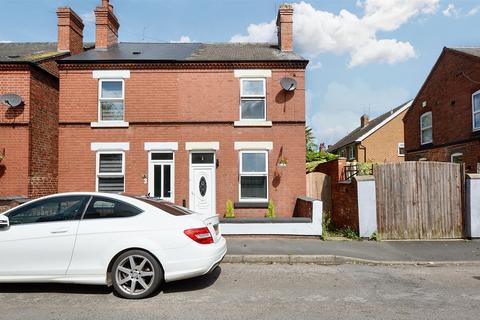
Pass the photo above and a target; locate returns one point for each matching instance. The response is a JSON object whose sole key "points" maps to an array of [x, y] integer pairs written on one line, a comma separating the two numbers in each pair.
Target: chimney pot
{"points": [[70, 31], [364, 121], [285, 27]]}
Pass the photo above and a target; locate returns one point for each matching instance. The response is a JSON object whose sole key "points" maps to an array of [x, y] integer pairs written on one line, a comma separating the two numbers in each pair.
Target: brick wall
{"points": [[14, 134], [382, 145], [344, 194], [448, 95], [29, 134], [184, 106], [43, 134]]}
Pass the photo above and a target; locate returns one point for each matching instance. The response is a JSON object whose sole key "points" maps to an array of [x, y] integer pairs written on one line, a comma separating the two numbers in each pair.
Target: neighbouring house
{"points": [[377, 140], [443, 123], [29, 128], [194, 123]]}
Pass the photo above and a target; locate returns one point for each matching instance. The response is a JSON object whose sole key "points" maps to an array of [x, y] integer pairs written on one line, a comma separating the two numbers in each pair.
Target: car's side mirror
{"points": [[4, 222]]}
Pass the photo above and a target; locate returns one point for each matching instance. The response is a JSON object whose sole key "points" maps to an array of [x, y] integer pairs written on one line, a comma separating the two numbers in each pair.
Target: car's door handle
{"points": [[59, 231]]}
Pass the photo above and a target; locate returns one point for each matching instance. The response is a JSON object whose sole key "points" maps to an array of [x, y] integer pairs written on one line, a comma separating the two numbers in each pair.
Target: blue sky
{"points": [[367, 56]]}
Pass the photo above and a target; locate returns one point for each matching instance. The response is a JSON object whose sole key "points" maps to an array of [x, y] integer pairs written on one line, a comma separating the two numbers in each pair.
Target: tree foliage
{"points": [[313, 155]]}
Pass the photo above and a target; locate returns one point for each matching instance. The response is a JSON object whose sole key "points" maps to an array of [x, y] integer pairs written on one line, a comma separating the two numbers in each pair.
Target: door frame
{"points": [[212, 166], [151, 172]]}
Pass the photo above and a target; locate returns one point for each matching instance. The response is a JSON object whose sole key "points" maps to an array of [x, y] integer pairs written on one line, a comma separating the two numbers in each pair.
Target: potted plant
{"points": [[230, 211], [283, 162]]}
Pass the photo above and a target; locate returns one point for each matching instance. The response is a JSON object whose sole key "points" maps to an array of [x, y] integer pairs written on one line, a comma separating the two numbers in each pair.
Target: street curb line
{"points": [[333, 260]]}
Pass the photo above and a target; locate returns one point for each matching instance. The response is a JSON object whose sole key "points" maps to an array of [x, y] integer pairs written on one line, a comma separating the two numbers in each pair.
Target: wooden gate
{"points": [[319, 187], [419, 200]]}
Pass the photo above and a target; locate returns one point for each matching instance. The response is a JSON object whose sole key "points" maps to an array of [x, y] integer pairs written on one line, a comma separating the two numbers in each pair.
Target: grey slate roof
{"points": [[184, 52], [358, 132], [27, 51], [474, 51]]}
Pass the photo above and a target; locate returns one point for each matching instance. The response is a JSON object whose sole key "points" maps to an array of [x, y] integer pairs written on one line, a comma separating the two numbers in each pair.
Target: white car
{"points": [[132, 243]]}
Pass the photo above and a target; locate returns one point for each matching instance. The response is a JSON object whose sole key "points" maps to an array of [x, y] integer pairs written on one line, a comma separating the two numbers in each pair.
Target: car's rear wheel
{"points": [[136, 274]]}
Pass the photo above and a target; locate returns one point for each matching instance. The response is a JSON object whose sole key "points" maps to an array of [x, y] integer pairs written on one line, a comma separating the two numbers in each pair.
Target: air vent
{"points": [[136, 52]]}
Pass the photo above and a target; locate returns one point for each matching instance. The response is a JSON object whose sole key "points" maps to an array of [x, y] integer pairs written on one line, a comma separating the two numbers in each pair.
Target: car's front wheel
{"points": [[136, 274]]}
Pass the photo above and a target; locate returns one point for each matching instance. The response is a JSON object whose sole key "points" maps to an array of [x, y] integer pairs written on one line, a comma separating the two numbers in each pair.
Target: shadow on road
{"points": [[53, 287], [194, 284]]}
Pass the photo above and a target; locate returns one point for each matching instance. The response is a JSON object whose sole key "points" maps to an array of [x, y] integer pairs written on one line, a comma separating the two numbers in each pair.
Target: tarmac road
{"points": [[275, 291]]}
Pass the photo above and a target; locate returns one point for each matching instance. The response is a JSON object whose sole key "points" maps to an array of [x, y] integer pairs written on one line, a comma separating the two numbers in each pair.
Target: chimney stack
{"points": [[107, 26], [285, 27], [70, 31], [364, 121]]}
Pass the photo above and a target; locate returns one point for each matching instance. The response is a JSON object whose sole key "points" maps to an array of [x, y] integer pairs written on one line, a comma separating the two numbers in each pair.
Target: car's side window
{"points": [[49, 210], [101, 207]]}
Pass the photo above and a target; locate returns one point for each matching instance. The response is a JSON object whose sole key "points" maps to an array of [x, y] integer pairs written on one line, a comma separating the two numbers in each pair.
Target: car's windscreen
{"points": [[168, 207]]}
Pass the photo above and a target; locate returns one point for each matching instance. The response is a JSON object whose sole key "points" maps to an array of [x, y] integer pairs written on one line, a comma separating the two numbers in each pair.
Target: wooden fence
{"points": [[419, 200], [319, 187]]}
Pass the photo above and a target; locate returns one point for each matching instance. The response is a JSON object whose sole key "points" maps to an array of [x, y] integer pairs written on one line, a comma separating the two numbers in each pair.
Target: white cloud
{"points": [[88, 17], [317, 31], [451, 11], [183, 39], [263, 32], [314, 65], [473, 11], [340, 109], [5, 41]]}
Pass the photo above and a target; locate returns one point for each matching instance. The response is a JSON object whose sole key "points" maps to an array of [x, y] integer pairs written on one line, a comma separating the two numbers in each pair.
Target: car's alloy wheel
{"points": [[136, 274]]}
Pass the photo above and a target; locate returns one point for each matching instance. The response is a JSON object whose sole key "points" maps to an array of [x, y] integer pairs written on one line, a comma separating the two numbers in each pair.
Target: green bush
{"points": [[230, 211], [271, 210]]}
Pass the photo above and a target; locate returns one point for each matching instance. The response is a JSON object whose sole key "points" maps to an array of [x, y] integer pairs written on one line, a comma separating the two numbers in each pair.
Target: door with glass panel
{"points": [[202, 183], [161, 175]]}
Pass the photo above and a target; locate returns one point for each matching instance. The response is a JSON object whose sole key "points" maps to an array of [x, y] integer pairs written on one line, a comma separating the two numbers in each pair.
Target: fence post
{"points": [[367, 206], [472, 212]]}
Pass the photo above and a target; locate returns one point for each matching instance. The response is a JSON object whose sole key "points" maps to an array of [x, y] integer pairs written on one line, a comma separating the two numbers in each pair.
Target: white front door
{"points": [[202, 183]]}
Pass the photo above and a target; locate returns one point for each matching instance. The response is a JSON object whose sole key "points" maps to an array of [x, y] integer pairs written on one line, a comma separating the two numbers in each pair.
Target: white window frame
{"points": [[351, 152], [399, 146], [426, 128], [454, 155], [254, 97], [100, 99], [110, 174], [252, 174], [477, 93], [151, 172]]}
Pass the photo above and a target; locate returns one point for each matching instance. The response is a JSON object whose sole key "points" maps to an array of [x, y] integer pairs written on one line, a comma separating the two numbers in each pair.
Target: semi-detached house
{"points": [[194, 123]]}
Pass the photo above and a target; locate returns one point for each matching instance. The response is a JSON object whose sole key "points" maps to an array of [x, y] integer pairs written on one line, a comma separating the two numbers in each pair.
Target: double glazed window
{"points": [[161, 166], [110, 172], [254, 176], [401, 149], [351, 153], [111, 100], [476, 110], [252, 99], [426, 128]]}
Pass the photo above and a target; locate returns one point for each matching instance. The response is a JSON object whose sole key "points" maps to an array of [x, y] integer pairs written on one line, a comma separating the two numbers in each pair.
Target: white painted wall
{"points": [[472, 214], [367, 206], [302, 229]]}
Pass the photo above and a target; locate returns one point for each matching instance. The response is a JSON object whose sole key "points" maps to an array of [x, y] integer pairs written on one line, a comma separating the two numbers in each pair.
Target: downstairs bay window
{"points": [[111, 172], [254, 176]]}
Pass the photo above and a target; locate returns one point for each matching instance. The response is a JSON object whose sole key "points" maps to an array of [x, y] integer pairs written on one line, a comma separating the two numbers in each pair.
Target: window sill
{"points": [[246, 123], [109, 124], [250, 205]]}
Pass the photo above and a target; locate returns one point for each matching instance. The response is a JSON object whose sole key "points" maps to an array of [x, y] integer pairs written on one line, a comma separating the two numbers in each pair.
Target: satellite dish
{"points": [[11, 100], [288, 84]]}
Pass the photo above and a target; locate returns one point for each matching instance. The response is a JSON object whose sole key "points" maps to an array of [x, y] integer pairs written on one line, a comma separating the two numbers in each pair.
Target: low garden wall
{"points": [[307, 221]]}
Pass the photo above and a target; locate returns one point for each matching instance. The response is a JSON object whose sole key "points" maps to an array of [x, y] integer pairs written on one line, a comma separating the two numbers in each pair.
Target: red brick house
{"points": [[193, 123], [443, 123], [29, 131]]}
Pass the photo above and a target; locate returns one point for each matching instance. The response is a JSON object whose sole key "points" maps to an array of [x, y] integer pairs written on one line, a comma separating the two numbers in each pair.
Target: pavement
{"points": [[313, 250], [274, 291]]}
